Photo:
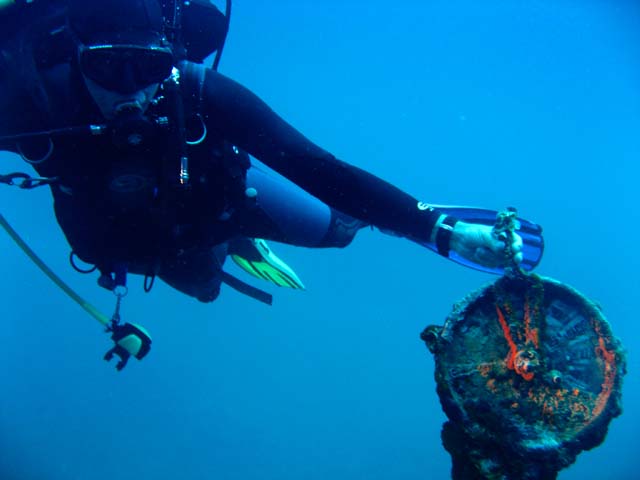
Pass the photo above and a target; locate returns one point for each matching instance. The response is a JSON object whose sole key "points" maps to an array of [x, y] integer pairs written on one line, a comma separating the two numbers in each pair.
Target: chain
{"points": [[506, 224], [120, 293]]}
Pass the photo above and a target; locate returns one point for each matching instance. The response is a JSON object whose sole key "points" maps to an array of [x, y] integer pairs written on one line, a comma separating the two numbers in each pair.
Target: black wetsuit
{"points": [[120, 203], [245, 120]]}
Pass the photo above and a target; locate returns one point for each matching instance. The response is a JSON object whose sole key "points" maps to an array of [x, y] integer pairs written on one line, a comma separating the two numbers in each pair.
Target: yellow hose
{"points": [[90, 309]]}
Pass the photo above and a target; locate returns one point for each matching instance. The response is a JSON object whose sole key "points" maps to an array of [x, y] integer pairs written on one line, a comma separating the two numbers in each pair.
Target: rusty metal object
{"points": [[529, 375]]}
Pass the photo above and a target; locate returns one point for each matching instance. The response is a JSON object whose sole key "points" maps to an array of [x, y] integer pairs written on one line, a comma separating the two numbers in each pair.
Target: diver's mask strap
{"points": [[443, 235]]}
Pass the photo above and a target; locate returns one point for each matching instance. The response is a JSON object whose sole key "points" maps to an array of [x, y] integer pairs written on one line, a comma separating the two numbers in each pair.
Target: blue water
{"points": [[528, 103]]}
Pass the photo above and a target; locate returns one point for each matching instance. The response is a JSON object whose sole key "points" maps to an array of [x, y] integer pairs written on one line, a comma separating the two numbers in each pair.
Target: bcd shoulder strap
{"points": [[192, 83]]}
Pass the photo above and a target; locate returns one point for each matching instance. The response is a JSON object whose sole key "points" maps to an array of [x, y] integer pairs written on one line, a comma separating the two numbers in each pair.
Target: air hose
{"points": [[90, 309]]}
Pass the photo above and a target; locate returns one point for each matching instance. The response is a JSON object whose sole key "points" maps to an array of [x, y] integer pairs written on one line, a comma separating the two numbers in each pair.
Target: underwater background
{"points": [[534, 104]]}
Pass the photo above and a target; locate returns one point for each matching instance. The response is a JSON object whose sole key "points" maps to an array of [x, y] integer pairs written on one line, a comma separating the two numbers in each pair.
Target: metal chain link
{"points": [[506, 224]]}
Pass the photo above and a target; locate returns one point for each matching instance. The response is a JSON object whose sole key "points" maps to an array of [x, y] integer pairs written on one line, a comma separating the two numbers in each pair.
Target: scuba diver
{"points": [[146, 152]]}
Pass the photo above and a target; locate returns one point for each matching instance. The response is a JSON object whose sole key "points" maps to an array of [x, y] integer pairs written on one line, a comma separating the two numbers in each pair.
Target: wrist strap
{"points": [[443, 235]]}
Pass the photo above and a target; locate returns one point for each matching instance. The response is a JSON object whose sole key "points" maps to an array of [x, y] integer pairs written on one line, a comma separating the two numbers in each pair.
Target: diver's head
{"points": [[123, 55]]}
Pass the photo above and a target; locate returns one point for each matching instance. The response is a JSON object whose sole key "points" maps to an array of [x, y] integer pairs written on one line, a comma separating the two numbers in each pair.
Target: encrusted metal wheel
{"points": [[529, 375]]}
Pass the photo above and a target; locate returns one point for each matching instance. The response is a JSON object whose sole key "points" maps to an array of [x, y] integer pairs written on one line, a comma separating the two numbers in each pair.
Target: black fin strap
{"points": [[247, 289]]}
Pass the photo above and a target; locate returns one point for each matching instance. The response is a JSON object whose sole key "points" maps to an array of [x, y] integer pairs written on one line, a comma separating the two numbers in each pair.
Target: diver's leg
{"points": [[286, 213], [282, 212], [196, 272]]}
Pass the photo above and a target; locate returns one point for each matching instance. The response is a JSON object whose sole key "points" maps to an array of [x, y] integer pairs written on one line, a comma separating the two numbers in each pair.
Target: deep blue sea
{"points": [[530, 103]]}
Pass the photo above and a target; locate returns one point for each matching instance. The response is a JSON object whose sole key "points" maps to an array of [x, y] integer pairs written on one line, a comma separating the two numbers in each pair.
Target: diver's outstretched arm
{"points": [[245, 120]]}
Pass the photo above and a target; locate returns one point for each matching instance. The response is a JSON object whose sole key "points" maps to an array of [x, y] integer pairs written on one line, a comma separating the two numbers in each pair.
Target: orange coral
{"points": [[579, 409], [516, 360], [491, 385], [484, 369], [609, 359]]}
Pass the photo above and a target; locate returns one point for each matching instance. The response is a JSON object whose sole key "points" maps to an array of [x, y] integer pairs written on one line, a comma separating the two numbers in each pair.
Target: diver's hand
{"points": [[479, 244]]}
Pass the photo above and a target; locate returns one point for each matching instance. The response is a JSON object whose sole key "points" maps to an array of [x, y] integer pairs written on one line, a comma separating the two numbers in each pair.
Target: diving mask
{"points": [[125, 68]]}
